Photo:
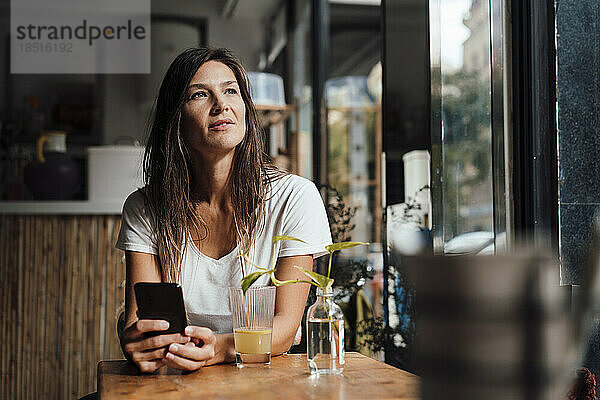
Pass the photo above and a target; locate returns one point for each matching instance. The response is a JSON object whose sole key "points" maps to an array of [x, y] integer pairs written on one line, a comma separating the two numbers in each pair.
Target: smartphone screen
{"points": [[161, 301]]}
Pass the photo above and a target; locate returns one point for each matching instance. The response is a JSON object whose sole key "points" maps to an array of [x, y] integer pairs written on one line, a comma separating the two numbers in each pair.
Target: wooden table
{"points": [[287, 378]]}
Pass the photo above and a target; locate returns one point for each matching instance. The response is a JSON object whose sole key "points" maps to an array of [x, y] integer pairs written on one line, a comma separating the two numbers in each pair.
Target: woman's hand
{"points": [[148, 352], [191, 356]]}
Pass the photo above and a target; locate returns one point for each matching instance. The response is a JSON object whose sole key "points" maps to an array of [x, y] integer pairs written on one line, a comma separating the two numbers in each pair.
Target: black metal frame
{"points": [[499, 107], [384, 238], [535, 166], [320, 52], [435, 114], [397, 137]]}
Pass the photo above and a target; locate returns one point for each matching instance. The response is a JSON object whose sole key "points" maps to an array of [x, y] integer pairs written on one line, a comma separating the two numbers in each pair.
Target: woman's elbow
{"points": [[282, 345]]}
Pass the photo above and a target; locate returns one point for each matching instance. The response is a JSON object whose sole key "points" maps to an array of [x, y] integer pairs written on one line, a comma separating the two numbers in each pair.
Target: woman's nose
{"points": [[220, 106]]}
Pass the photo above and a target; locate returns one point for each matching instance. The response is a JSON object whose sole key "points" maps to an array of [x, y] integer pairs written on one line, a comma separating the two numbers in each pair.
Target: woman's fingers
{"points": [[148, 352], [150, 366], [204, 334], [188, 363], [192, 352], [150, 355], [155, 342], [142, 326], [151, 325], [189, 356]]}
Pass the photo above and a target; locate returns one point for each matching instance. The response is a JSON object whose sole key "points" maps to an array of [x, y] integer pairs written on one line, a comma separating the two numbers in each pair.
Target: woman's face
{"points": [[214, 115]]}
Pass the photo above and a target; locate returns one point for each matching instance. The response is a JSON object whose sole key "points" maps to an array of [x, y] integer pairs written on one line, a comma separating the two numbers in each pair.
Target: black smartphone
{"points": [[161, 301]]}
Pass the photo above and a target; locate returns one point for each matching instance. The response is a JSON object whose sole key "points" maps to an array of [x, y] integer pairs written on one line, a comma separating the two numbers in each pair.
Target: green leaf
{"points": [[277, 238], [343, 245], [249, 279], [321, 280]]}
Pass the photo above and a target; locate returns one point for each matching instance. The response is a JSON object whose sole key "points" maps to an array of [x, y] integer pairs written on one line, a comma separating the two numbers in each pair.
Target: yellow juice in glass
{"points": [[252, 340]]}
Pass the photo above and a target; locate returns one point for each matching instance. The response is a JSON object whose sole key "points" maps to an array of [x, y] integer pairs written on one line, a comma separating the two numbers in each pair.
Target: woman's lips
{"points": [[220, 125]]}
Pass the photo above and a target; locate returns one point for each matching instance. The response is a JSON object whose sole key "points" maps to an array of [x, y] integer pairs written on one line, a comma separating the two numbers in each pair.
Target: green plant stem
{"points": [[329, 319], [329, 267], [277, 282], [273, 258], [245, 256]]}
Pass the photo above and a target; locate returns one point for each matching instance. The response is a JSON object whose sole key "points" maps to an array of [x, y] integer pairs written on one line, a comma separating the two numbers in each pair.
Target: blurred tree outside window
{"points": [[466, 127]]}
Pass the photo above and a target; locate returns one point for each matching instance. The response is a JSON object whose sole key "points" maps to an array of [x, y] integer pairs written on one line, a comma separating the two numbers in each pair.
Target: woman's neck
{"points": [[211, 180]]}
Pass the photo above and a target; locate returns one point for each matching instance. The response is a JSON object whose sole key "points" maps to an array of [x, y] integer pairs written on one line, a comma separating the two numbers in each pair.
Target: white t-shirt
{"points": [[294, 208]]}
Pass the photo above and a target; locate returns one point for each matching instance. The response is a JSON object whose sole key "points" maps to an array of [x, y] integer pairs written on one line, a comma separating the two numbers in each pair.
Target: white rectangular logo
{"points": [[80, 36]]}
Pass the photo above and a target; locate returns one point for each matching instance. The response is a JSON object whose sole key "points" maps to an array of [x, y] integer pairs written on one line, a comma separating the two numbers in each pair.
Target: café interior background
{"points": [[445, 116]]}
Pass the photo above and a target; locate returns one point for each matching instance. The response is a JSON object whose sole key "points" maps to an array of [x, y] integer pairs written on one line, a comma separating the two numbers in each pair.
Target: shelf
{"points": [[273, 115], [374, 108], [81, 207]]}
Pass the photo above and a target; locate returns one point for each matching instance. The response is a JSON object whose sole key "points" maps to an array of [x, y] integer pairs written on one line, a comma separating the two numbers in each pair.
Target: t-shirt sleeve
{"points": [[305, 219], [136, 231]]}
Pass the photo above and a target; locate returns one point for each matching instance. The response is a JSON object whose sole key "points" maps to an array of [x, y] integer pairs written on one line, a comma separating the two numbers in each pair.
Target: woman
{"points": [[210, 195]]}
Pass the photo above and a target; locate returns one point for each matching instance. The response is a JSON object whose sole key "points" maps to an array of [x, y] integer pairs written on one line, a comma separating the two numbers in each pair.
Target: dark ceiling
{"points": [[355, 34]]}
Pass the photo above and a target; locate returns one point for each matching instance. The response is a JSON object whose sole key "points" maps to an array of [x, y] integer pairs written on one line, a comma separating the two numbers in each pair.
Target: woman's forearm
{"points": [[283, 335]]}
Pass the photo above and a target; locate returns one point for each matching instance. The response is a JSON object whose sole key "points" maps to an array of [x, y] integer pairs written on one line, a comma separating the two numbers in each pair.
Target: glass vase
{"points": [[325, 335]]}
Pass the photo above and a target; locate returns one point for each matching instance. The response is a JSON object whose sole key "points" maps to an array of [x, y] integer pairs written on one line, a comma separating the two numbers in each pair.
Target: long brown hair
{"points": [[167, 165]]}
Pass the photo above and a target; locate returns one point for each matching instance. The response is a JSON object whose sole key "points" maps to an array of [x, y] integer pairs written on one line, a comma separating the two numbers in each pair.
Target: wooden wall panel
{"points": [[60, 293]]}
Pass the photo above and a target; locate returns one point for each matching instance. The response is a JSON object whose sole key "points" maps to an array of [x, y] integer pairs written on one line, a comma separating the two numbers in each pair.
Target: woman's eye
{"points": [[196, 95], [231, 91]]}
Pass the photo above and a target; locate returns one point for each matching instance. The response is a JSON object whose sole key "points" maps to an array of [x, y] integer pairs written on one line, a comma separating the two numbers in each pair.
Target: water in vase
{"points": [[325, 346]]}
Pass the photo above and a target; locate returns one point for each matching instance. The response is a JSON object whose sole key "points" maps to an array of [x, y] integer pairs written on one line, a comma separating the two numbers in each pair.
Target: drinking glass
{"points": [[252, 314]]}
